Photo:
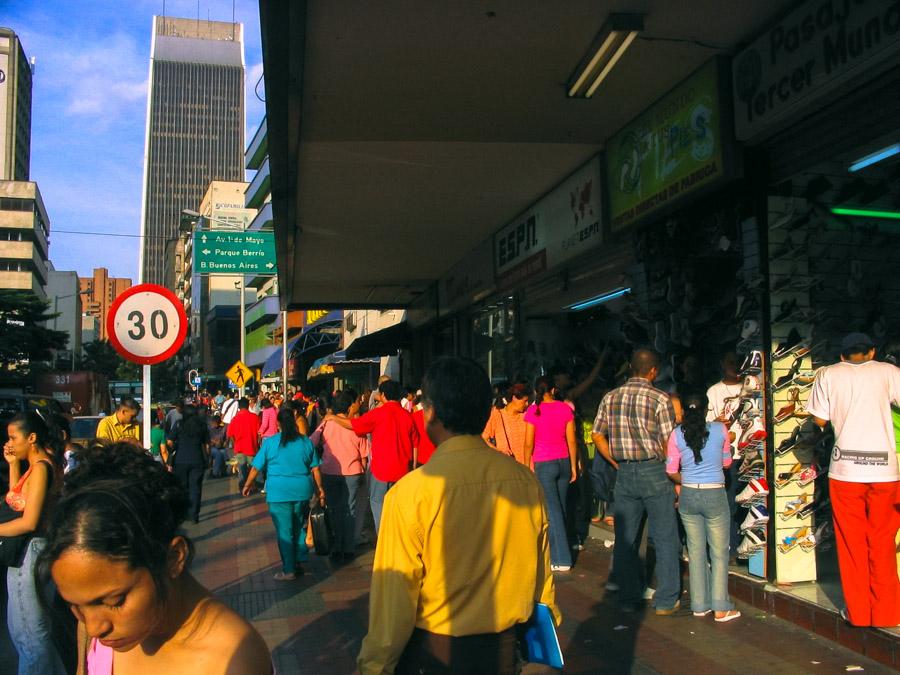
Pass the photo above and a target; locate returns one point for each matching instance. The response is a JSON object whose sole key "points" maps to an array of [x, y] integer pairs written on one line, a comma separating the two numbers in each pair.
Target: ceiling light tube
{"points": [[597, 300], [612, 62], [875, 157], [616, 34], [865, 213]]}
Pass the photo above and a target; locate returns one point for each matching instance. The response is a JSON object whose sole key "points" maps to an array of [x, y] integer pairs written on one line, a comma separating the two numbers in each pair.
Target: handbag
{"points": [[12, 548], [319, 527]]}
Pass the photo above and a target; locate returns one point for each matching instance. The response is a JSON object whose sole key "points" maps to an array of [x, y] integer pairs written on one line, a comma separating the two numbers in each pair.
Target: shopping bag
{"points": [[318, 525]]}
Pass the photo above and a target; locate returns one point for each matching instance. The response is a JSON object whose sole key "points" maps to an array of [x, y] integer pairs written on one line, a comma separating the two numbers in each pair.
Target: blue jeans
{"points": [[377, 490], [289, 519], [29, 627], [554, 476], [218, 456], [644, 488], [706, 518], [340, 496]]}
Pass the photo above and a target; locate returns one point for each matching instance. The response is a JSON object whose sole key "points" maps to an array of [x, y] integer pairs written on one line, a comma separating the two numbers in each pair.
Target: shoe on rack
{"points": [[756, 488], [789, 442], [785, 477], [752, 363], [794, 506], [784, 348], [751, 386], [812, 507], [790, 541], [788, 377], [786, 308], [753, 541], [756, 516], [808, 475]]}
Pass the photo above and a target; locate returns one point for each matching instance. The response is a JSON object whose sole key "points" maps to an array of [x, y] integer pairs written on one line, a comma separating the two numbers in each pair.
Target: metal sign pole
{"points": [[147, 407], [284, 354]]}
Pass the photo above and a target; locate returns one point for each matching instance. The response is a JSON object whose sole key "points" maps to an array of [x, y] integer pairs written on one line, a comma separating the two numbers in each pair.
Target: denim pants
{"points": [[29, 627], [377, 490], [218, 456], [289, 519], [644, 488], [706, 518], [554, 476], [341, 494]]}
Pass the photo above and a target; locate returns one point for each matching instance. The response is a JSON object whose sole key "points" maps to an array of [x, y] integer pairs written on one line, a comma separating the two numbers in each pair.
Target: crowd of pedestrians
{"points": [[477, 498]]}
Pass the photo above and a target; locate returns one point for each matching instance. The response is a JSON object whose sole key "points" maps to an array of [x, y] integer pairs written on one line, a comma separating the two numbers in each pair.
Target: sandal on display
{"points": [[795, 506], [791, 540], [786, 477]]}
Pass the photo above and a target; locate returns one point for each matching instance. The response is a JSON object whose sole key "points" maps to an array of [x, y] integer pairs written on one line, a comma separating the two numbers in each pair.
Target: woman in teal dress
{"points": [[292, 467]]}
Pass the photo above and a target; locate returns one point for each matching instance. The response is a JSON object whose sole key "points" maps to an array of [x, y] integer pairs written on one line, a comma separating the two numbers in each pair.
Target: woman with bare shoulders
{"points": [[117, 558]]}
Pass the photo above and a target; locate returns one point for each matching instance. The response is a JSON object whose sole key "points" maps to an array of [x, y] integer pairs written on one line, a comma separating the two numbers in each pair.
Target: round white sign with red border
{"points": [[146, 324]]}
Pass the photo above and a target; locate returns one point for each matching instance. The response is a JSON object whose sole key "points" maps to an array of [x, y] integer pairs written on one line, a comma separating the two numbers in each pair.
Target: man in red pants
{"points": [[855, 395]]}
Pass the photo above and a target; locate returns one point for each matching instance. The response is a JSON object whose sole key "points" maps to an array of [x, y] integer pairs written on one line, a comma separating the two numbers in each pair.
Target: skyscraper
{"points": [[195, 125], [15, 108]]}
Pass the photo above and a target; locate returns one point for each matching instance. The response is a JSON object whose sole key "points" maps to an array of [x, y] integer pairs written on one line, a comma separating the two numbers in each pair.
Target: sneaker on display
{"points": [[758, 487], [752, 363], [753, 541], [808, 475], [756, 516]]}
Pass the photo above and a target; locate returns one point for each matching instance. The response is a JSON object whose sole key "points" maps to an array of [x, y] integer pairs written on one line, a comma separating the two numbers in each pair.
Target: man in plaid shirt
{"points": [[631, 430]]}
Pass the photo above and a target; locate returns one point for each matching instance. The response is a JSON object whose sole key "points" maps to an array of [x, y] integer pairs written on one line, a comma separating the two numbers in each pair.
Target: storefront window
{"points": [[493, 338]]}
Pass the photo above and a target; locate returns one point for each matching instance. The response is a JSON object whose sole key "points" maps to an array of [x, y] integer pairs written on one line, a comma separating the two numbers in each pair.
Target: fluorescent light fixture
{"points": [[615, 36], [865, 213], [597, 300], [875, 157]]}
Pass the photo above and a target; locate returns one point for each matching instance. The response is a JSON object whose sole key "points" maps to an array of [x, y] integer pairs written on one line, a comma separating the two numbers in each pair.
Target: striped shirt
{"points": [[637, 418]]}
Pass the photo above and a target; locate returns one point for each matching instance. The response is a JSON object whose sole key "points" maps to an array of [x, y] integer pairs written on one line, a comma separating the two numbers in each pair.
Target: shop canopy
{"points": [[384, 342], [322, 335], [328, 364]]}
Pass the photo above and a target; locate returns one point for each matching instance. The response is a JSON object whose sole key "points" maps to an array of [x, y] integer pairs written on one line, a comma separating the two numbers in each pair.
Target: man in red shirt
{"points": [[394, 436], [244, 431]]}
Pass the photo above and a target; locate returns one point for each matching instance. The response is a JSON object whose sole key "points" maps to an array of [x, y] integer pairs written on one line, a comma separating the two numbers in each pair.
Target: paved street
{"points": [[315, 624]]}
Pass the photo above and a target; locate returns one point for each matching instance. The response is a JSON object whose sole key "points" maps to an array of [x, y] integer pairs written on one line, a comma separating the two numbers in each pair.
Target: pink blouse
{"points": [[342, 450], [268, 423]]}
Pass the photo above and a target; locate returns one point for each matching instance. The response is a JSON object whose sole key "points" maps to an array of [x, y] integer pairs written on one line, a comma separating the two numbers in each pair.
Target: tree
{"points": [[25, 341], [100, 357]]}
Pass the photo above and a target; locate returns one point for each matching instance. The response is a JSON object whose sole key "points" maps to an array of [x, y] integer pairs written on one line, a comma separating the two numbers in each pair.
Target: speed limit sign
{"points": [[146, 324]]}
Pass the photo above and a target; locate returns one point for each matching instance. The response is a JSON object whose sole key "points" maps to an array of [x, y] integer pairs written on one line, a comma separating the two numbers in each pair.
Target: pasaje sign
{"points": [[669, 151]]}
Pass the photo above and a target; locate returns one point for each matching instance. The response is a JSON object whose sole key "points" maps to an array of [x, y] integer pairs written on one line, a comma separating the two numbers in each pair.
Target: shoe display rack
{"points": [[798, 483]]}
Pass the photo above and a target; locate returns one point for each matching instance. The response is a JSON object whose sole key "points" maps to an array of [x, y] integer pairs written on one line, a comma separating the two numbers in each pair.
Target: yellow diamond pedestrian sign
{"points": [[239, 373]]}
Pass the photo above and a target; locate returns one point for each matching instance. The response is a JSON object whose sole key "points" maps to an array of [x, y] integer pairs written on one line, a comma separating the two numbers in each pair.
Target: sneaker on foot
{"points": [[560, 568], [704, 613], [649, 593]]}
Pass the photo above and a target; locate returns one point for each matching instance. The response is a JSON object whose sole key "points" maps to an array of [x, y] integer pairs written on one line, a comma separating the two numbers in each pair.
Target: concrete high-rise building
{"points": [[195, 125], [64, 294], [15, 108], [24, 233], [97, 295]]}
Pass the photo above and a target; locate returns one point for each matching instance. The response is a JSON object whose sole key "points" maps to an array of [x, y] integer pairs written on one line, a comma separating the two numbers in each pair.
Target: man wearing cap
{"points": [[855, 395]]}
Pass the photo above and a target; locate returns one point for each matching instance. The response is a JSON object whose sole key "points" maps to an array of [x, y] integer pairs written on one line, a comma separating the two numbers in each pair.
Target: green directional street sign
{"points": [[229, 252]]}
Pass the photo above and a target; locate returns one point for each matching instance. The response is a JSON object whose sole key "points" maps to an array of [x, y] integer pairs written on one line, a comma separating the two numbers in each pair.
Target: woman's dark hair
{"points": [[192, 423], [342, 402], [288, 425], [518, 389], [459, 392], [542, 385], [47, 433], [299, 407], [693, 423], [500, 399], [323, 402], [265, 403], [118, 502]]}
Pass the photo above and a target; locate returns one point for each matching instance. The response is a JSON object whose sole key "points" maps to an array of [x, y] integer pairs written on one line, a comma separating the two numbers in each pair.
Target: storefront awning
{"points": [[323, 335], [328, 364], [273, 363], [385, 342]]}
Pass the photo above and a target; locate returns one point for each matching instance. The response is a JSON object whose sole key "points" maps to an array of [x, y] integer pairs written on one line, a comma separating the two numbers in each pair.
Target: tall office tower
{"points": [[195, 125], [15, 108]]}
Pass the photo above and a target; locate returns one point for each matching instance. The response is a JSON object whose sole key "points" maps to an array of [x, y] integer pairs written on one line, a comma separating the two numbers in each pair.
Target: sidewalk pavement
{"points": [[316, 623]]}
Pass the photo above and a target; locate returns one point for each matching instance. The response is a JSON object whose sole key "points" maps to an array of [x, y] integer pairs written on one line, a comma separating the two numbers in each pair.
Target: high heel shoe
{"points": [[786, 379], [794, 408]]}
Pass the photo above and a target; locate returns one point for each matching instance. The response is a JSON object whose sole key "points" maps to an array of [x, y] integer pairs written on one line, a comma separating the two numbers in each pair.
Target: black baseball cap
{"points": [[856, 340]]}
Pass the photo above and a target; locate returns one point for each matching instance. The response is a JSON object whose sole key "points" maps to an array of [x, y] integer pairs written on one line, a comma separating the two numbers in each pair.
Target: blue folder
{"points": [[541, 642]]}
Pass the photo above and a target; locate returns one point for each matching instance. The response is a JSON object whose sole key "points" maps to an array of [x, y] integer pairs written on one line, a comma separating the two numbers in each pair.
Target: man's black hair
{"points": [[130, 403], [858, 348], [459, 391], [392, 391], [244, 403]]}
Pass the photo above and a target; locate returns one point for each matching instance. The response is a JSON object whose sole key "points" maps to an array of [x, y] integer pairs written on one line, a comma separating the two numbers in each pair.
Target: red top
{"points": [[394, 436], [426, 447], [244, 429]]}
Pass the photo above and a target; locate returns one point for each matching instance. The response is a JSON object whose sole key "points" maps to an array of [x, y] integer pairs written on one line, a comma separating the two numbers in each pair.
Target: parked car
{"points": [[84, 428]]}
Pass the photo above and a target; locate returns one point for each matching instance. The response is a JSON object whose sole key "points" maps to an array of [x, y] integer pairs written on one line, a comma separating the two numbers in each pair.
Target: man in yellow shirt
{"points": [[463, 552], [120, 426]]}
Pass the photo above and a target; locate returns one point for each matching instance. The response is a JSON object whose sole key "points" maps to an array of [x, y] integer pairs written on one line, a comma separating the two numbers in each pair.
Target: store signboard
{"points": [[808, 54], [564, 223], [314, 316], [669, 151]]}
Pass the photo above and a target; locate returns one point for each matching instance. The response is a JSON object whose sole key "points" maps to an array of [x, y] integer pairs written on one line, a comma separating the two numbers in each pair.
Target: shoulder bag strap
{"points": [[503, 424]]}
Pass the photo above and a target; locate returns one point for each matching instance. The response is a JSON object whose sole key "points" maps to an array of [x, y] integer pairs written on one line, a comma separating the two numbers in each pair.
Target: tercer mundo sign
{"points": [[672, 149], [808, 54]]}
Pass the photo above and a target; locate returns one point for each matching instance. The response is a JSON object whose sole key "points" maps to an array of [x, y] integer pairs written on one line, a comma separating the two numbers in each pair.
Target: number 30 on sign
{"points": [[146, 324]]}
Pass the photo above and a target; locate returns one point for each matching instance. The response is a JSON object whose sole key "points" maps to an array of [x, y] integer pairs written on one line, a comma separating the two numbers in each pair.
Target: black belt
{"points": [[636, 461]]}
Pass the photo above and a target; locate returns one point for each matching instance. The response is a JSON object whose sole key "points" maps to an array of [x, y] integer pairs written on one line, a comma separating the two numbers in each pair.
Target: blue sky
{"points": [[89, 115]]}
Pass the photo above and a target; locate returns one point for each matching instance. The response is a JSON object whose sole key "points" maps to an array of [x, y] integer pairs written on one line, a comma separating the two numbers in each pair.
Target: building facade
{"points": [[97, 294], [15, 108], [195, 125], [64, 294], [24, 237]]}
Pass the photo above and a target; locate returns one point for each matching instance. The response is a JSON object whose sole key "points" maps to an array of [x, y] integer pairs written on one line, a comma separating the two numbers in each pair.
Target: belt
{"points": [[636, 461], [703, 486]]}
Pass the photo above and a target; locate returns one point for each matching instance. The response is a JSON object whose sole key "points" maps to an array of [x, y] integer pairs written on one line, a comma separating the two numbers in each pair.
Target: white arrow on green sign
{"points": [[229, 252]]}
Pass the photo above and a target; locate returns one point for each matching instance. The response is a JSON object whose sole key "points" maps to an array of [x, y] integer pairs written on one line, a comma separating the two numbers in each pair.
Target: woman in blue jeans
{"points": [[698, 451], [292, 468], [550, 444]]}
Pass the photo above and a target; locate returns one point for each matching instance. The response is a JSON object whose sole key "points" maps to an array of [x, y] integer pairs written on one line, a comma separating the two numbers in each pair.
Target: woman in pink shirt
{"points": [[344, 459], [550, 443], [268, 419]]}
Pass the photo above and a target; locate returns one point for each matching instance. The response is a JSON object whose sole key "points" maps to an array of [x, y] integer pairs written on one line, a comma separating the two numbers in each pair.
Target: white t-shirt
{"points": [[229, 410], [724, 399], [857, 398]]}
